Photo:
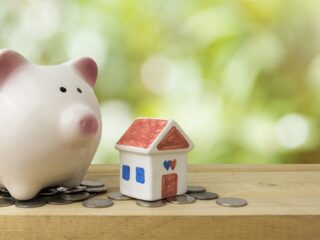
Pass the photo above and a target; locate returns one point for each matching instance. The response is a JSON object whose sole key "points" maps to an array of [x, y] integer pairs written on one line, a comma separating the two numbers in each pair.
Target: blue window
{"points": [[140, 175], [126, 172]]}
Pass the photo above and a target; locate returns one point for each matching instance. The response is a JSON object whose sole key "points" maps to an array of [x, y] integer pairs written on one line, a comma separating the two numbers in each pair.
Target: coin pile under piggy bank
{"points": [[89, 189]]}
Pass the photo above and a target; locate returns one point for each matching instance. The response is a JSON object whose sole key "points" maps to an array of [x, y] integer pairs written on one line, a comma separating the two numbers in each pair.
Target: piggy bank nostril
{"points": [[89, 125]]}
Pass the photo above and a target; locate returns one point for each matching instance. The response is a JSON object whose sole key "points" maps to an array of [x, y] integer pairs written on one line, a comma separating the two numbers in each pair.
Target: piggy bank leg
{"points": [[23, 191]]}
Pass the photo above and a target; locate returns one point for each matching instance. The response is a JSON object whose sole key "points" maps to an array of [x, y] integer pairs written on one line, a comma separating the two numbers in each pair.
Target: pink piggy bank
{"points": [[50, 123]]}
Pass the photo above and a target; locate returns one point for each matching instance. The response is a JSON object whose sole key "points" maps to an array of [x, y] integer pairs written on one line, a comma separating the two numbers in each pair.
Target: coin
{"points": [[5, 202], [118, 196], [48, 192], [57, 200], [181, 199], [4, 192], [97, 203], [96, 189], [151, 204], [72, 190], [32, 203], [91, 183], [204, 195], [79, 196], [195, 189], [231, 202], [62, 189]]}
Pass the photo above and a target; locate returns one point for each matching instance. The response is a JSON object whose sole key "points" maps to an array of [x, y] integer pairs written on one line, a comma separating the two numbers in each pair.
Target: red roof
{"points": [[173, 140], [142, 132]]}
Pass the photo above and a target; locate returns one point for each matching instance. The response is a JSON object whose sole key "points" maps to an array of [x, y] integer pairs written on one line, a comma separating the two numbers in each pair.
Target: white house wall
{"points": [[154, 170], [159, 170], [132, 187]]}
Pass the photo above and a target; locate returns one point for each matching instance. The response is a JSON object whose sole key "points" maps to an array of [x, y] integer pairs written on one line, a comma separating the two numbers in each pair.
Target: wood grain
{"points": [[284, 203]]}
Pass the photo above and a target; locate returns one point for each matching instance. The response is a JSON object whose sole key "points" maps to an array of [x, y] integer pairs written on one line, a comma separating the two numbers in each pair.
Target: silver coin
{"points": [[181, 199], [32, 203], [204, 195], [195, 189], [48, 192], [4, 192], [97, 203], [118, 196], [57, 200], [151, 204], [79, 196], [102, 189], [6, 201], [231, 202], [62, 189], [72, 190], [91, 183]]}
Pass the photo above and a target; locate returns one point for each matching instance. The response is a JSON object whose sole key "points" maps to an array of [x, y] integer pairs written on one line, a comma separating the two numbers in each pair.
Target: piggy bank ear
{"points": [[9, 62], [87, 68]]}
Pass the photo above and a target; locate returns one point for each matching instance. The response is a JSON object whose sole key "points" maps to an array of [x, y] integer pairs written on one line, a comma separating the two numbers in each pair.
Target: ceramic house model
{"points": [[153, 156]]}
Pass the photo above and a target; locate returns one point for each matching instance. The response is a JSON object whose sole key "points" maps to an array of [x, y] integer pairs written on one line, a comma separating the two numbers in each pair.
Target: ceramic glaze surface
{"points": [[50, 123], [153, 159]]}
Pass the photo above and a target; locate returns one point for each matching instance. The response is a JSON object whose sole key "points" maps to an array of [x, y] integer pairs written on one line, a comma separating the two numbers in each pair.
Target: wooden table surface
{"points": [[284, 203]]}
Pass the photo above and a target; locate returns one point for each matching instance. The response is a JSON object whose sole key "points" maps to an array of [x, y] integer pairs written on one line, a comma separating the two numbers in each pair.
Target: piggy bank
{"points": [[50, 123]]}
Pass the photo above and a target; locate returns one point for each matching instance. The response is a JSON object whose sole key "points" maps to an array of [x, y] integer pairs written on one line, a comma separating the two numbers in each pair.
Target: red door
{"points": [[169, 185]]}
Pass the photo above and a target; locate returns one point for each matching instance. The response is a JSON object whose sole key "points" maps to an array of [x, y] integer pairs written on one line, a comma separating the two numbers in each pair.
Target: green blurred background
{"points": [[242, 78]]}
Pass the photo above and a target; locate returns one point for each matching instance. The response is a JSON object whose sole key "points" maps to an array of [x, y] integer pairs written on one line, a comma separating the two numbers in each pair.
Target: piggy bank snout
{"points": [[89, 125], [79, 123]]}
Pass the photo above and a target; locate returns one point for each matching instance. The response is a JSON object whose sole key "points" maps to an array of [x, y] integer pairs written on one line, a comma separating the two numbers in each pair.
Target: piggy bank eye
{"points": [[63, 89], [79, 90]]}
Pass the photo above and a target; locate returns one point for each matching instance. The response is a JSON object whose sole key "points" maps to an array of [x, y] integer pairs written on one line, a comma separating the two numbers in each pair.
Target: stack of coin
{"points": [[97, 203], [60, 196], [88, 189], [6, 201], [32, 203], [200, 193], [118, 196], [193, 193], [151, 204], [181, 199]]}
